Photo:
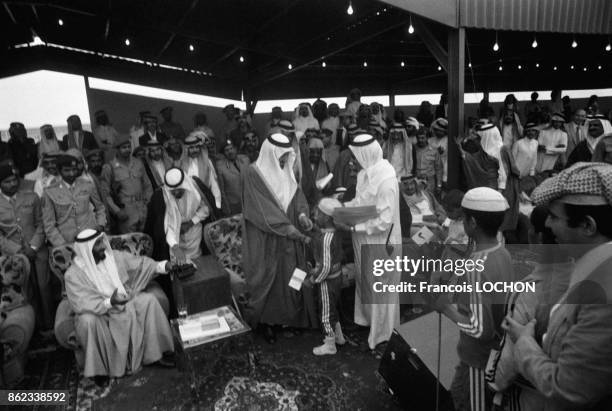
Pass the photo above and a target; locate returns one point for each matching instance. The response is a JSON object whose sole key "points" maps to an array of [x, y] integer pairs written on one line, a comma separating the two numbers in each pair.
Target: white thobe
{"points": [[525, 152], [382, 318], [550, 138]]}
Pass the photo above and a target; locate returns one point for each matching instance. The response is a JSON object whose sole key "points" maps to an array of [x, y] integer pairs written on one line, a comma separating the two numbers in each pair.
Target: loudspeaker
{"points": [[409, 379]]}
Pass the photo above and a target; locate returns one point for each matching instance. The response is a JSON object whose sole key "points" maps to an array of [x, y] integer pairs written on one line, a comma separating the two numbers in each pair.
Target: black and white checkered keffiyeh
{"points": [[589, 179]]}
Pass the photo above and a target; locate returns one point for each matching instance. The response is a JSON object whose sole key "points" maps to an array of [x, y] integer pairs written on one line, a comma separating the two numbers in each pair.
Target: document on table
{"points": [[201, 327]]}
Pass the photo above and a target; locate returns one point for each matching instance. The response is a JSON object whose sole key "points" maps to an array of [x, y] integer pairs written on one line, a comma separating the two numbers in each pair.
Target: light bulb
{"points": [[241, 59], [598, 67], [127, 42], [500, 68], [365, 64], [402, 64], [534, 44], [572, 67], [574, 44], [191, 48], [470, 65], [537, 65], [584, 69], [410, 29], [289, 66], [60, 22], [555, 68], [349, 11], [520, 67], [439, 68], [323, 64], [609, 47], [495, 46]]}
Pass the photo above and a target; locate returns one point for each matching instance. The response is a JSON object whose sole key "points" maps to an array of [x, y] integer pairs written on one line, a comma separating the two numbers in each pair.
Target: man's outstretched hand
{"points": [[305, 222], [179, 255]]}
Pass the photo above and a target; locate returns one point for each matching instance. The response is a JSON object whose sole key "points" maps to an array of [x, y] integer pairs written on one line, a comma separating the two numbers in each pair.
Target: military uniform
{"points": [[228, 174], [21, 226], [67, 212], [128, 185]]}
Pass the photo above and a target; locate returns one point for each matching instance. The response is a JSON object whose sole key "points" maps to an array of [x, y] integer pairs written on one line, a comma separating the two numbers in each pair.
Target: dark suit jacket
{"points": [[89, 142], [580, 153], [161, 137]]}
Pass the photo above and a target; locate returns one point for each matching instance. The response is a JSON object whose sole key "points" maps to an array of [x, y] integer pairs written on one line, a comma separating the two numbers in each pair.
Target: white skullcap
{"points": [[87, 235], [174, 177], [299, 134], [327, 205], [484, 199]]}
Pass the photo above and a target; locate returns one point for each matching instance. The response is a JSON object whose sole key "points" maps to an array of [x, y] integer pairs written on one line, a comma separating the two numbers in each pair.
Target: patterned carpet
{"points": [[285, 376]]}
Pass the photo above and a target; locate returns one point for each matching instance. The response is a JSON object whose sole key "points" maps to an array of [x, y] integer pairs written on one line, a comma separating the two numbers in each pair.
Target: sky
{"points": [[42, 97], [49, 97]]}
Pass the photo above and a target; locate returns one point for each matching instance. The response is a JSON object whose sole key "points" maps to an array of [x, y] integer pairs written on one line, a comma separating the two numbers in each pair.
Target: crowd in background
{"points": [[310, 163]]}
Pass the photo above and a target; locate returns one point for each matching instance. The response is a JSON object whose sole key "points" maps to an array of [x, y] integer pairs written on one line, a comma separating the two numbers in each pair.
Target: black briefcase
{"points": [[409, 379]]}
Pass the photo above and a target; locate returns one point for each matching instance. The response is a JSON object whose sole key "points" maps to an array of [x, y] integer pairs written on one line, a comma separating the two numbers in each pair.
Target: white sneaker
{"points": [[328, 347]]}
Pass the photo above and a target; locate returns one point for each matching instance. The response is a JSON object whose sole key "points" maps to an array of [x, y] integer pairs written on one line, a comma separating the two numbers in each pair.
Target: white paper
{"points": [[417, 218], [423, 236], [297, 278], [193, 329]]}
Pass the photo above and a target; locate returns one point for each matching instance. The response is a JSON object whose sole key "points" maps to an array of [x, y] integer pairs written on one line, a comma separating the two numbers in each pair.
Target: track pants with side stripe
{"points": [[329, 298], [469, 389]]}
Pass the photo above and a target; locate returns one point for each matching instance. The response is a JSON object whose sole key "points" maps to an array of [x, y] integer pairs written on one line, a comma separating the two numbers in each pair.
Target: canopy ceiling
{"points": [[271, 34]]}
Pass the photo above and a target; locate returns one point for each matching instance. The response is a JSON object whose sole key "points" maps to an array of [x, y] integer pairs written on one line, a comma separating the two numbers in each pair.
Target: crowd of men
{"points": [[286, 181]]}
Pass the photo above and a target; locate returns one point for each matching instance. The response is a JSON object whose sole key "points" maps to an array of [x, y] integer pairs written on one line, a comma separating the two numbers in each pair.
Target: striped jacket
{"points": [[485, 310]]}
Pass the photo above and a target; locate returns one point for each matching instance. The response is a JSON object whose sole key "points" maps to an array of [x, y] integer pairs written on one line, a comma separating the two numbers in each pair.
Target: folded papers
{"points": [[354, 215]]}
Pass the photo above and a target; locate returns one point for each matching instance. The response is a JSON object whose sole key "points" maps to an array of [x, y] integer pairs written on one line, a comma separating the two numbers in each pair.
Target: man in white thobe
{"points": [[376, 186], [552, 144], [119, 324]]}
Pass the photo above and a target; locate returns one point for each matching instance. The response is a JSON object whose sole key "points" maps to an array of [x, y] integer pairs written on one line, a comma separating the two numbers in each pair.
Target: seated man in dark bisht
{"points": [[419, 206], [175, 218], [598, 127]]}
